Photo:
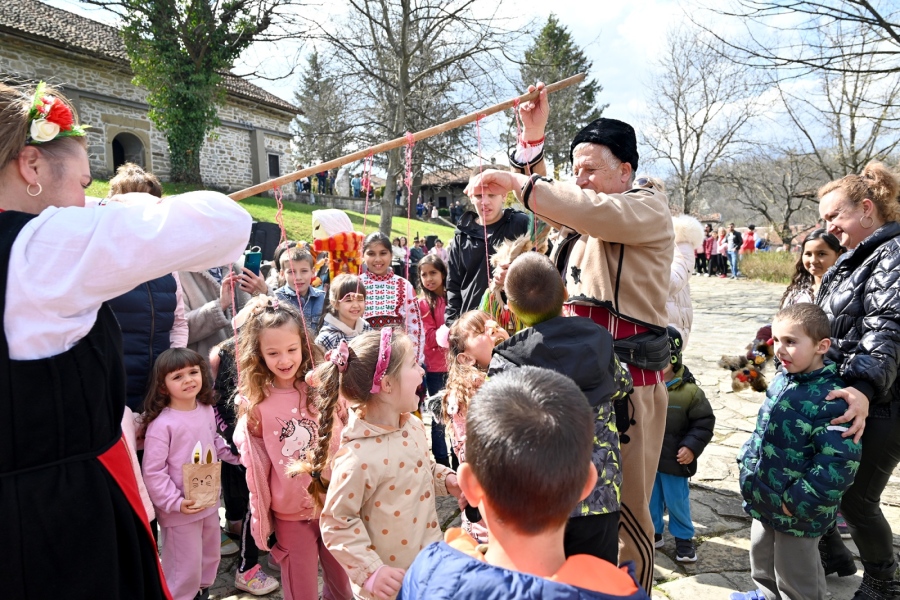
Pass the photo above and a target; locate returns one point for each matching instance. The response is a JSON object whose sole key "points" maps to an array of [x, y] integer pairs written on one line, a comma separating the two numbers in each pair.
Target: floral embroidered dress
{"points": [[391, 301]]}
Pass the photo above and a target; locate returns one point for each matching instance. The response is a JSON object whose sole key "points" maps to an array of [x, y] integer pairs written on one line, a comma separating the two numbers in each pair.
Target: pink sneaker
{"points": [[273, 563], [255, 581]]}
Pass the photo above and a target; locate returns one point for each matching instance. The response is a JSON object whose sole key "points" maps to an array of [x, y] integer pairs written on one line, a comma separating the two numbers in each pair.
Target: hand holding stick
{"points": [[537, 97]]}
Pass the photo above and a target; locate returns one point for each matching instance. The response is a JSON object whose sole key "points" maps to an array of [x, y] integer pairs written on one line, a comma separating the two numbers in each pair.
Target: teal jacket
{"points": [[796, 457]]}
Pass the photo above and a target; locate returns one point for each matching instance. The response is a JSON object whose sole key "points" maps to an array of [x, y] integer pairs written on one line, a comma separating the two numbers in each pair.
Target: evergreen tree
{"points": [[323, 130], [552, 57]]}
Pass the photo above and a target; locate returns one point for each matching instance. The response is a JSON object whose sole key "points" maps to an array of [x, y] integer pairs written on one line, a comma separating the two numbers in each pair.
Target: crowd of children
{"points": [[305, 418], [312, 409]]}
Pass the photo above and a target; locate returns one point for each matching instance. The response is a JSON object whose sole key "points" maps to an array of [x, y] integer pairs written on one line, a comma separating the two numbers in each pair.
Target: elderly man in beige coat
{"points": [[614, 251]]}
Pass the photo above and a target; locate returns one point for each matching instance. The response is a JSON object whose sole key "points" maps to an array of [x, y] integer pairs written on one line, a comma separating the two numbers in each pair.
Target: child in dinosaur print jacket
{"points": [[796, 465]]}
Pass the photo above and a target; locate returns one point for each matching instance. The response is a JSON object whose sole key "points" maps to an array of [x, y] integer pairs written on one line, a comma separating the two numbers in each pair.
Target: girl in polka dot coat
{"points": [[379, 511]]}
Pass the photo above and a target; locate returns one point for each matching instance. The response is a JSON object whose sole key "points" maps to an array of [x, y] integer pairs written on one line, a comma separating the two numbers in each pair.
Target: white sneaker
{"points": [[228, 548], [255, 581]]}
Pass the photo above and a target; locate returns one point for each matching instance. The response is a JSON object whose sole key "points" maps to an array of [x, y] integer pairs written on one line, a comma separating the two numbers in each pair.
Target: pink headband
{"points": [[339, 356], [384, 359]]}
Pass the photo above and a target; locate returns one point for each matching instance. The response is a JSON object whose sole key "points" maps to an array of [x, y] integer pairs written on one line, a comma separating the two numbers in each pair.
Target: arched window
{"points": [[127, 147]]}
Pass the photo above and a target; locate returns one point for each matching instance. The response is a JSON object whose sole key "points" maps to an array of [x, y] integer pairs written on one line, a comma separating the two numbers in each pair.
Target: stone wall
{"points": [[107, 101], [347, 203]]}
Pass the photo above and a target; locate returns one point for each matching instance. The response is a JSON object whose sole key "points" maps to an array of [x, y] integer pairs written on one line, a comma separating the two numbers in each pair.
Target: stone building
{"points": [[88, 61], [443, 188]]}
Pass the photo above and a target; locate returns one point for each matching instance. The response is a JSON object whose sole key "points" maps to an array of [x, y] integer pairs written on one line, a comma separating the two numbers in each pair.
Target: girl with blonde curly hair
{"points": [[278, 424]]}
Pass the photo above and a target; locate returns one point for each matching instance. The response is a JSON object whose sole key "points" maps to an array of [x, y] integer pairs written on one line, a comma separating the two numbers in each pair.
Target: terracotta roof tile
{"points": [[448, 177], [63, 29]]}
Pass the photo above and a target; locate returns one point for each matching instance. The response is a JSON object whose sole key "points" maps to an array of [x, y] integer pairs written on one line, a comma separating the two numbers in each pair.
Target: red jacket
{"points": [[708, 242], [435, 356]]}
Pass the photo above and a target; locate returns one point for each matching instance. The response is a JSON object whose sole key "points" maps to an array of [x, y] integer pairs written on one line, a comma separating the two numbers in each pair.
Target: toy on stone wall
{"points": [[494, 302], [747, 369], [333, 233]]}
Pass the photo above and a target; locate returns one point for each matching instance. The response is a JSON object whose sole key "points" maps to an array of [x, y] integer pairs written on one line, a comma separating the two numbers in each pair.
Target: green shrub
{"points": [[776, 267], [444, 212]]}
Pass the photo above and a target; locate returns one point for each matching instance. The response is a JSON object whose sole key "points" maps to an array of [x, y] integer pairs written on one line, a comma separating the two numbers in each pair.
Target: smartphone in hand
{"points": [[253, 260]]}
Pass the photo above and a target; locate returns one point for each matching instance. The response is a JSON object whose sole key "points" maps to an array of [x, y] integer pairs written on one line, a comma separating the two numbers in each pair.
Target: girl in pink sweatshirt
{"points": [[278, 425], [179, 419]]}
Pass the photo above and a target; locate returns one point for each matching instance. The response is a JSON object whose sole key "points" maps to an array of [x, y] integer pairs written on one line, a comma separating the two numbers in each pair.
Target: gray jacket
{"points": [[208, 325]]}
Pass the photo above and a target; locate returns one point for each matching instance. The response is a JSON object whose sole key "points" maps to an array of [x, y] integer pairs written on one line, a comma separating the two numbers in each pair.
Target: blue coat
{"points": [[313, 305], [444, 573], [145, 315], [796, 457]]}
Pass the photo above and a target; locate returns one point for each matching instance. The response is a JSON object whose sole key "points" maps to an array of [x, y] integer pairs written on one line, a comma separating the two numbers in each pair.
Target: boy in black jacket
{"points": [[468, 269], [582, 350], [689, 428]]}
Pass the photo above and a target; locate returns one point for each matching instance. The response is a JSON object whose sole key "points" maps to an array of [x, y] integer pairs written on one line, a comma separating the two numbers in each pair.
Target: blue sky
{"points": [[621, 37]]}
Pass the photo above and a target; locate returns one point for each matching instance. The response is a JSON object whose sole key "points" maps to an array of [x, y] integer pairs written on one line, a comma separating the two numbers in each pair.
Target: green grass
{"points": [[775, 267], [298, 217], [298, 225], [100, 187]]}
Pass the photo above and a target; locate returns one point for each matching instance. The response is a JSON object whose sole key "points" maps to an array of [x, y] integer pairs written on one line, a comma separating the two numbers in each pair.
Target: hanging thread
{"points": [[410, 142], [367, 177], [487, 250], [279, 218]]}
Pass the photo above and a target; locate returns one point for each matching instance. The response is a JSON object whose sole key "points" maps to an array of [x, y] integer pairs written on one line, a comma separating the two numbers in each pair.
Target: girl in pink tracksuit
{"points": [[178, 419], [278, 425]]}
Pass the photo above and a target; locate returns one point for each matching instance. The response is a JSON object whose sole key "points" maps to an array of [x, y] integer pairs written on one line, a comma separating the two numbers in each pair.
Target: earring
{"points": [[28, 190], [871, 222]]}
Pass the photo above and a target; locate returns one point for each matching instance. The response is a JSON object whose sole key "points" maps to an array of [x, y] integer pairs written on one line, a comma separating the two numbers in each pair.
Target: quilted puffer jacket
{"points": [[861, 297], [689, 422], [796, 457], [456, 569], [582, 350]]}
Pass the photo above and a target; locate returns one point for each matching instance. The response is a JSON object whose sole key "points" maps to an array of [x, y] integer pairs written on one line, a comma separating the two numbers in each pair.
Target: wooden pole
{"points": [[401, 141]]}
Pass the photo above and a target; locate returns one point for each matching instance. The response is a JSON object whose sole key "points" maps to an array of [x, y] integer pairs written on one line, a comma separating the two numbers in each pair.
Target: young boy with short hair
{"points": [[528, 449], [582, 350], [796, 465], [689, 428], [468, 271], [298, 268]]}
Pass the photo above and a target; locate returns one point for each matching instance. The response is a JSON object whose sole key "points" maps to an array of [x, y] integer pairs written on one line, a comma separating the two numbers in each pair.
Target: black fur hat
{"points": [[616, 135]]}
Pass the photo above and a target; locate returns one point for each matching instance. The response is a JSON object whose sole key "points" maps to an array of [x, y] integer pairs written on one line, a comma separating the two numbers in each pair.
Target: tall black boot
{"points": [[834, 554]]}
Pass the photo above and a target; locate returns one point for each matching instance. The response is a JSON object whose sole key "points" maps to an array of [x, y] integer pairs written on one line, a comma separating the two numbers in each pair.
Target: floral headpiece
{"points": [[50, 118]]}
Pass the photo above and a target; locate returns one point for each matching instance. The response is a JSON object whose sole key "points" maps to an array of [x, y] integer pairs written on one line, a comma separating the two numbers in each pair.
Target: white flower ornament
{"points": [[43, 130]]}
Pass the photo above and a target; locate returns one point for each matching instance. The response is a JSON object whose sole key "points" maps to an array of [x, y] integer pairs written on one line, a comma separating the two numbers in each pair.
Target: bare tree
{"points": [[699, 113], [851, 115], [409, 64], [774, 39], [774, 185]]}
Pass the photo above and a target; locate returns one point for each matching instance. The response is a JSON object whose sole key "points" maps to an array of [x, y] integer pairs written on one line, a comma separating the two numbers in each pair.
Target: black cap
{"points": [[616, 135], [676, 344]]}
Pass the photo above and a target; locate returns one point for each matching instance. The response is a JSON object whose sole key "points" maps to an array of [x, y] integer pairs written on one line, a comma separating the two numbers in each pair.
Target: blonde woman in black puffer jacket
{"points": [[861, 296]]}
